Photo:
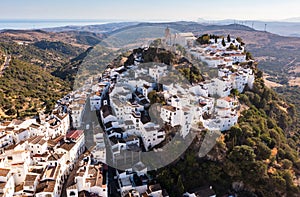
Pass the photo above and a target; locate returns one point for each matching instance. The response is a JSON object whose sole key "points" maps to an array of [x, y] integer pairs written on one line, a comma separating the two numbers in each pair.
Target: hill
{"points": [[46, 54], [26, 89], [74, 38], [27, 85], [102, 28], [257, 154]]}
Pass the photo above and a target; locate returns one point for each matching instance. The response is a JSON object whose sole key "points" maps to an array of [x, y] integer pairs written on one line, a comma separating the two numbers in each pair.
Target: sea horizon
{"points": [[27, 24]]}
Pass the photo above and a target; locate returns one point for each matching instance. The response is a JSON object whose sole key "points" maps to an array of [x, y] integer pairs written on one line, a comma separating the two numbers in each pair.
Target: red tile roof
{"points": [[75, 134]]}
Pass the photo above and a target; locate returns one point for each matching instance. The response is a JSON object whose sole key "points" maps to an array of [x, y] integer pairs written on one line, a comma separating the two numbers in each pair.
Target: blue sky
{"points": [[149, 9]]}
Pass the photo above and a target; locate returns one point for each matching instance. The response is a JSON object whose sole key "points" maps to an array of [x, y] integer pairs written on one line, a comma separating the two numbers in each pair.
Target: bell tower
{"points": [[168, 36]]}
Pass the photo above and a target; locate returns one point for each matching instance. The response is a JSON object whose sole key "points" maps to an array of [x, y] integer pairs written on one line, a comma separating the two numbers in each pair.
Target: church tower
{"points": [[168, 36]]}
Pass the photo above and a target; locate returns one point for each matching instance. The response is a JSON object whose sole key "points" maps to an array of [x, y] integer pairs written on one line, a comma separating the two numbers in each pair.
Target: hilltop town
{"points": [[64, 153]]}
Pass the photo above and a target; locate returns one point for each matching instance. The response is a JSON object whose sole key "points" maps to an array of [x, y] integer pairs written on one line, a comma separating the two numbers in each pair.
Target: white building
{"points": [[76, 115], [73, 147], [89, 178], [152, 135], [7, 185], [227, 102], [51, 182], [95, 102], [18, 161], [185, 39], [220, 86], [30, 184], [37, 145], [127, 182]]}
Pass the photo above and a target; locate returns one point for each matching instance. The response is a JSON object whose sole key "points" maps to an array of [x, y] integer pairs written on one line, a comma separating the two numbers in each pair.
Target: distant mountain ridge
{"points": [[286, 27], [294, 19], [102, 28]]}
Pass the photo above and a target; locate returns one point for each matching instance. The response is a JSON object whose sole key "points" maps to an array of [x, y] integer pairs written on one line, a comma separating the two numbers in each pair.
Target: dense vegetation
{"points": [[57, 47], [69, 70], [88, 38], [27, 85], [26, 88], [292, 95], [257, 157], [2, 58], [50, 55]]}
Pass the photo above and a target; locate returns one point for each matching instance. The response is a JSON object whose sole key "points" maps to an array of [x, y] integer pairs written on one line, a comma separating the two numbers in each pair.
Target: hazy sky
{"points": [[149, 9]]}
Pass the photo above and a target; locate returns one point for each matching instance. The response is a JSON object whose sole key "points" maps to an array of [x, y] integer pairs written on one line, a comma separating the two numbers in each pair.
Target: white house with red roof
{"points": [[72, 147], [227, 102]]}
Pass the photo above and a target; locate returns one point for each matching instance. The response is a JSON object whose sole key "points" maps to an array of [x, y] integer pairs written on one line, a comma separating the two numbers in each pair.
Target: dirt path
{"points": [[291, 62], [5, 64], [270, 84]]}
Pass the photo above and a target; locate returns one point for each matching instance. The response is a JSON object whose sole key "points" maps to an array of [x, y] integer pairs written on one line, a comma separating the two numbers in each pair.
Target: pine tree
{"points": [[223, 42], [228, 38]]}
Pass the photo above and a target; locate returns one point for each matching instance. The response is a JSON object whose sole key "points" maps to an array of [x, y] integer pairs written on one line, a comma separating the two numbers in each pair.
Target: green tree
{"points": [[287, 164], [262, 151], [223, 42], [239, 39], [249, 55], [242, 154], [204, 39], [228, 38]]}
